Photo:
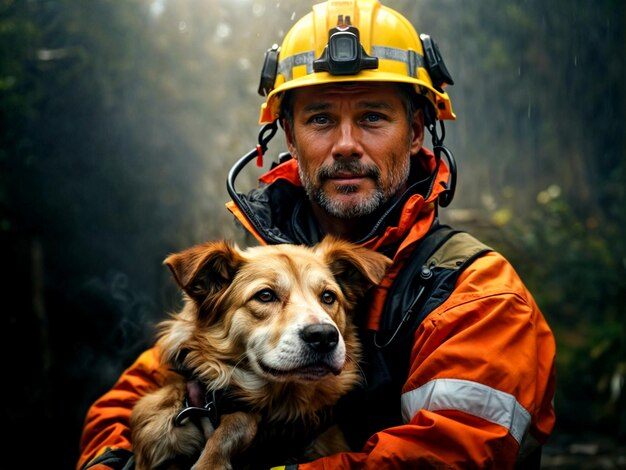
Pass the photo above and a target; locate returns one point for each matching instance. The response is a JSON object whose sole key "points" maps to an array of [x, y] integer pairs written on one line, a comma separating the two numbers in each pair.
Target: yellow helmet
{"points": [[354, 40]]}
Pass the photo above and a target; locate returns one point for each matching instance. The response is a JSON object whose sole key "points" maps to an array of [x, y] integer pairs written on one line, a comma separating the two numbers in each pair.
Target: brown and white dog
{"points": [[262, 349]]}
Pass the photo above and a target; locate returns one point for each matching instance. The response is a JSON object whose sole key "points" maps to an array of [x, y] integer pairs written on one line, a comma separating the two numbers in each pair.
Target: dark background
{"points": [[120, 119]]}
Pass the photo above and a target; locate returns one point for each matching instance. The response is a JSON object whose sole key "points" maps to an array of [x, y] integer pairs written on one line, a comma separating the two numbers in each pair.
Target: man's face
{"points": [[353, 145]]}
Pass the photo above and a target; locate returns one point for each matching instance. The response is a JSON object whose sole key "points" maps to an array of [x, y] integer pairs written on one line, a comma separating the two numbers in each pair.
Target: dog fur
{"points": [[273, 326]]}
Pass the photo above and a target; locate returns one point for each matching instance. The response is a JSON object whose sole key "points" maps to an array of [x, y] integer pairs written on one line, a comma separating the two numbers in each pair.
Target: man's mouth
{"points": [[349, 173], [350, 179], [313, 371]]}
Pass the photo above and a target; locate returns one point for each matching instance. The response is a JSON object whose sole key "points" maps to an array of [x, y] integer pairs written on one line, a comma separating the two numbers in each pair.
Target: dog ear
{"points": [[356, 268], [204, 270]]}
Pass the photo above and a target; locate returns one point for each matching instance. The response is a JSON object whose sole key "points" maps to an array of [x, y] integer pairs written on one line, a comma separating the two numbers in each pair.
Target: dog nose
{"points": [[321, 338]]}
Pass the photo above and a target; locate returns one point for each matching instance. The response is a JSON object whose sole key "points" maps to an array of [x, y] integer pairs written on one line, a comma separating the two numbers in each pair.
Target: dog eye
{"points": [[328, 297], [266, 295]]}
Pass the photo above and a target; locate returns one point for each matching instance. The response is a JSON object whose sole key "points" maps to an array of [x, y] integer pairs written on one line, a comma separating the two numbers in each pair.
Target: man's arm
{"points": [[106, 431]]}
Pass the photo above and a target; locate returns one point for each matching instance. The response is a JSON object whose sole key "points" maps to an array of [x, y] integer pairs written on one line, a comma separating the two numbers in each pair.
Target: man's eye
{"points": [[372, 117], [320, 119], [266, 296], [328, 297]]}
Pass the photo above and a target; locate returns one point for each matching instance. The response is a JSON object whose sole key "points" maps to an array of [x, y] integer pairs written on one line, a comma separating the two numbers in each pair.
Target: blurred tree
{"points": [[99, 183], [533, 78]]}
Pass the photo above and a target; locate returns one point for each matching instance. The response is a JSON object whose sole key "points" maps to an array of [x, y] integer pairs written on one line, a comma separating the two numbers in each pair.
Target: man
{"points": [[471, 384]]}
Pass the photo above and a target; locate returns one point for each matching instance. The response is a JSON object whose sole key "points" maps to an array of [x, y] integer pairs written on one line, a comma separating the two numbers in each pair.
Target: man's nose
{"points": [[347, 142]]}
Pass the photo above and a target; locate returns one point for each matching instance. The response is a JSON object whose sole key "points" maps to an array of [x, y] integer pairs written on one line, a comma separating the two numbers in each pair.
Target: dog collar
{"points": [[199, 405], [202, 403]]}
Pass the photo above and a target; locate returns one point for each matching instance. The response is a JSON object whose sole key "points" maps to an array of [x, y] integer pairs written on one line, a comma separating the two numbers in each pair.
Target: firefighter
{"points": [[469, 381]]}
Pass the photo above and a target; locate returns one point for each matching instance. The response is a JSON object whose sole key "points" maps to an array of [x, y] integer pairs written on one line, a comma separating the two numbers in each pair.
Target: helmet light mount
{"points": [[344, 54]]}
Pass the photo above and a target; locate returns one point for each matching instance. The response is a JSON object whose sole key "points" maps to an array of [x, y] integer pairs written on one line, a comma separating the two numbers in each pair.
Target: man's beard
{"points": [[365, 204]]}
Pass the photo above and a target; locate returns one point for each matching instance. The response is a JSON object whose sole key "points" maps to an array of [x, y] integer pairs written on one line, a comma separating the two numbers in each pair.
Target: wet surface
{"points": [[585, 452]]}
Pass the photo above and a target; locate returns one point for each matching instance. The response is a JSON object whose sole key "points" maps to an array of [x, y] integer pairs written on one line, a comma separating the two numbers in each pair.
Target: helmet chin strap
{"points": [[445, 198], [267, 132]]}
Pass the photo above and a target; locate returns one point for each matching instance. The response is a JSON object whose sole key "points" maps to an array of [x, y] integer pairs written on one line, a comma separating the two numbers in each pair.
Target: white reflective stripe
{"points": [[470, 397], [412, 59], [285, 66]]}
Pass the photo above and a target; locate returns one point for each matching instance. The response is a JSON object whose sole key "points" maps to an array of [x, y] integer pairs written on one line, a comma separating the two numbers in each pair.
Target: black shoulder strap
{"points": [[447, 263], [426, 280], [400, 306]]}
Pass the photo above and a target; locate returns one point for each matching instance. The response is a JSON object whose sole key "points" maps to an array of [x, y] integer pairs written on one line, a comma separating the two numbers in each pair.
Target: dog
{"points": [[264, 346]]}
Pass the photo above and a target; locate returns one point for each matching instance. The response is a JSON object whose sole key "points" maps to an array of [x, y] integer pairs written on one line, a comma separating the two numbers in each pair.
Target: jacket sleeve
{"points": [[481, 381], [105, 441]]}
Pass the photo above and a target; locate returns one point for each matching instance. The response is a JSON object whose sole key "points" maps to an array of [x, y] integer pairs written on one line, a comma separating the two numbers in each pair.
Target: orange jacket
{"points": [[482, 376]]}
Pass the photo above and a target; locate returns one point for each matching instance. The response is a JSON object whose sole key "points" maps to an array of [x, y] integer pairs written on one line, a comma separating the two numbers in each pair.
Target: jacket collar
{"points": [[278, 210]]}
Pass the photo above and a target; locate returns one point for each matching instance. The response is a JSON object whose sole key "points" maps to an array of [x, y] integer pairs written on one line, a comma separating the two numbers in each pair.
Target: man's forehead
{"points": [[348, 87], [364, 94]]}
